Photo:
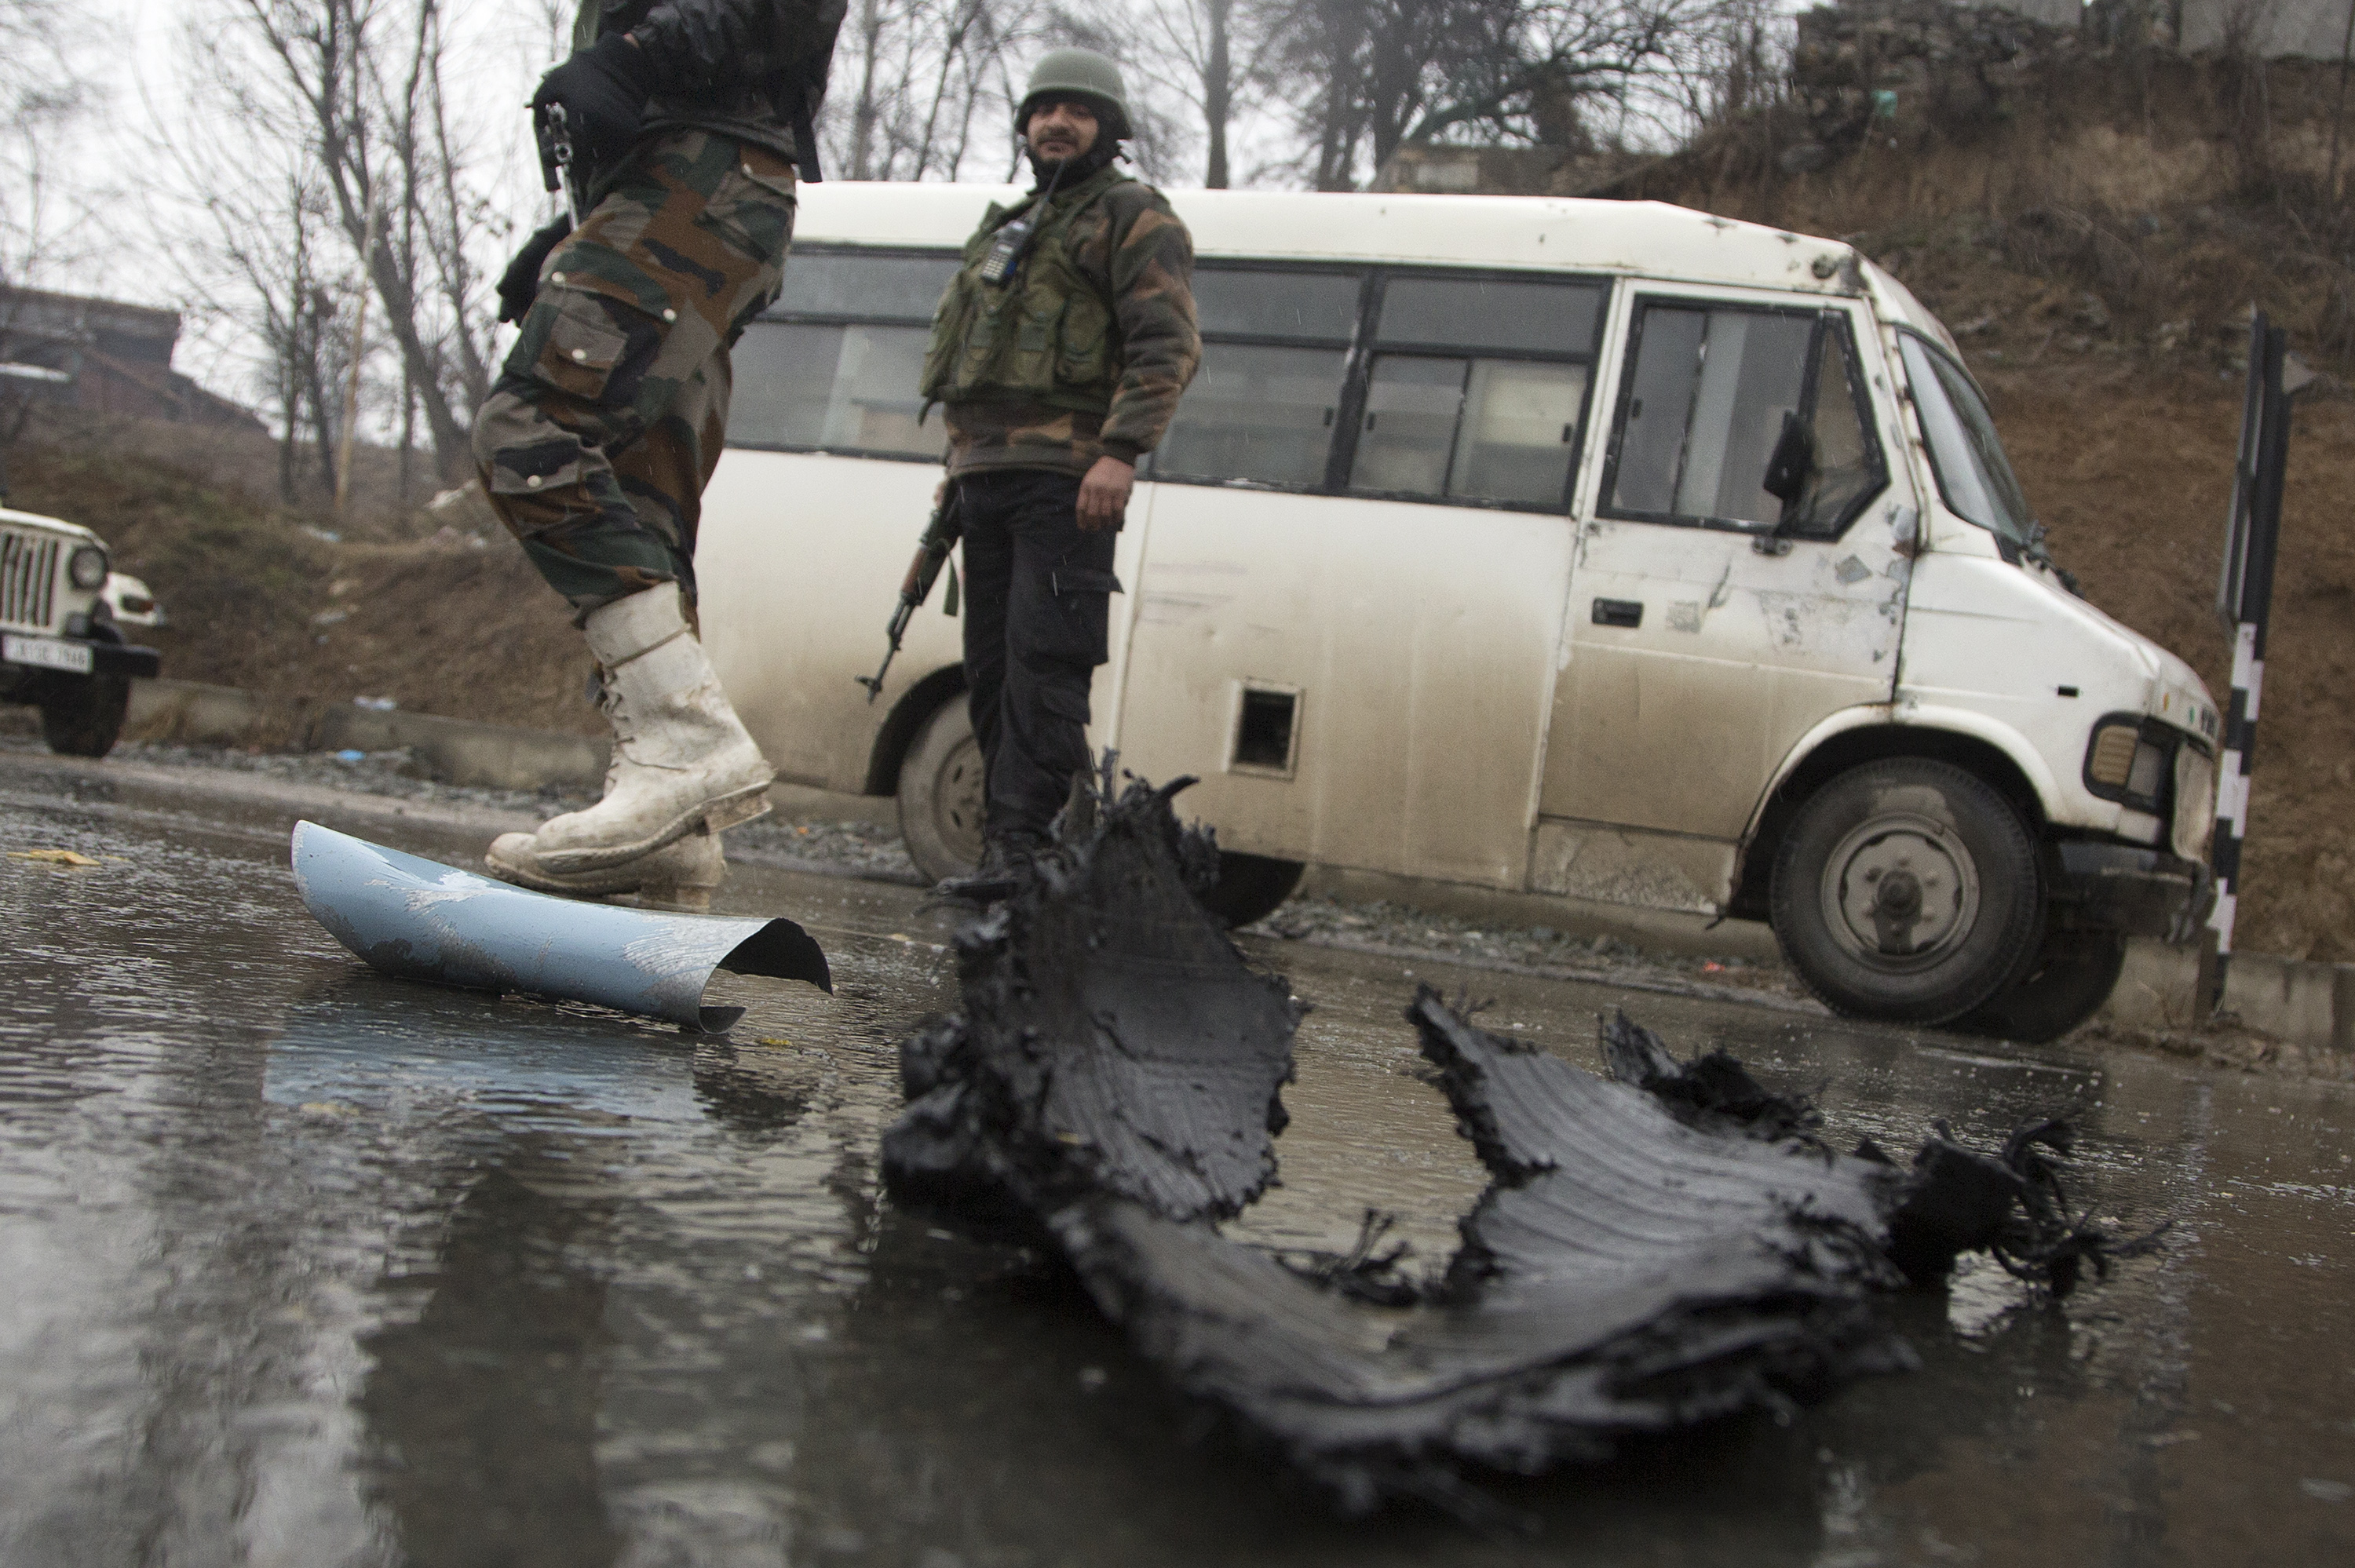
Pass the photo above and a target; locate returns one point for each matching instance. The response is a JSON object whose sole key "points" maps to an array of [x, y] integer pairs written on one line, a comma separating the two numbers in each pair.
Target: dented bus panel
{"points": [[1605, 551]]}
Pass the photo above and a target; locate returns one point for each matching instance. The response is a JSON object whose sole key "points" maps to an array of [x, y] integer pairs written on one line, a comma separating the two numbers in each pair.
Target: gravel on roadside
{"points": [[1536, 949], [858, 849]]}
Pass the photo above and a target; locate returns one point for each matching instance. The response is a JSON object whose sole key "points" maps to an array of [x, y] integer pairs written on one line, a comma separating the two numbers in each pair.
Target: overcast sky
{"points": [[134, 52]]}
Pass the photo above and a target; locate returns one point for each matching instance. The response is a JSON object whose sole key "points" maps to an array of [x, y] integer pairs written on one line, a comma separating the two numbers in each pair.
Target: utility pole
{"points": [[2245, 595]]}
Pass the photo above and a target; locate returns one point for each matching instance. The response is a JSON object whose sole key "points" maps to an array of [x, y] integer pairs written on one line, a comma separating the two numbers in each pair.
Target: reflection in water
{"points": [[649, 1309], [750, 1098], [482, 1413]]}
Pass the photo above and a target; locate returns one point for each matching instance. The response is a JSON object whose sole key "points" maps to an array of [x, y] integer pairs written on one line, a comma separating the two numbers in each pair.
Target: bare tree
{"points": [[1369, 75], [913, 77], [251, 257], [1201, 37], [355, 89], [43, 92]]}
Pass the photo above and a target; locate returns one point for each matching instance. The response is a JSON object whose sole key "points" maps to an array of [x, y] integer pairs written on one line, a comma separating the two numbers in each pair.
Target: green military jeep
{"points": [[61, 648]]}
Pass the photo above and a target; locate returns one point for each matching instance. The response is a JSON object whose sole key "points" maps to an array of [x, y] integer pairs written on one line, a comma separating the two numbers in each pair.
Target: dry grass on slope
{"points": [[256, 599]]}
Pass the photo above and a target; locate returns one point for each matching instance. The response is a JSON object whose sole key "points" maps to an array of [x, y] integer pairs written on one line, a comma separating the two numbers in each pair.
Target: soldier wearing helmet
{"points": [[1058, 354]]}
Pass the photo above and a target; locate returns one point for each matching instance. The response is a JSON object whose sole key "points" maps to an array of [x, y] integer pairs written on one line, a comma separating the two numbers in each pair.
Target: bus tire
{"points": [[2072, 975], [941, 793], [1909, 891], [1251, 887], [84, 717]]}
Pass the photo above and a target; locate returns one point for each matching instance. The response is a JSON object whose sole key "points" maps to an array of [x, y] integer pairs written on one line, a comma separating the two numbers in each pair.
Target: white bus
{"points": [[1462, 562]]}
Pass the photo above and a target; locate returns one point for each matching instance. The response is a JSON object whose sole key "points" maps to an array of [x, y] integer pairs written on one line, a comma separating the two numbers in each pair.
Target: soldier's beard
{"points": [[1069, 172]]}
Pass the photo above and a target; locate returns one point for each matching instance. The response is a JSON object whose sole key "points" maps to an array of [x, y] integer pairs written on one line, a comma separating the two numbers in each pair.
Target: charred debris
{"points": [[1668, 1245]]}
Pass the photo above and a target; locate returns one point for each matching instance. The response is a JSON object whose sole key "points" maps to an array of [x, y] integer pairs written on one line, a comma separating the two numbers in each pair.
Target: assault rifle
{"points": [[941, 536], [558, 165]]}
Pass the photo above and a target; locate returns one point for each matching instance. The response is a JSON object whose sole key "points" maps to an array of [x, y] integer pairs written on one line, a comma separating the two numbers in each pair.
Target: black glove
{"points": [[520, 282], [603, 89]]}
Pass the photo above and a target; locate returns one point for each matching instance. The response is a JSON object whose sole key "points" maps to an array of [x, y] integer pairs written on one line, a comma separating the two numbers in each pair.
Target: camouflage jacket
{"points": [[740, 69], [1136, 253]]}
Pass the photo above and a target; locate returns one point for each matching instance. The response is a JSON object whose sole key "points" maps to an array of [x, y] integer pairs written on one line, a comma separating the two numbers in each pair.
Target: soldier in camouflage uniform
{"points": [[687, 120], [1058, 354]]}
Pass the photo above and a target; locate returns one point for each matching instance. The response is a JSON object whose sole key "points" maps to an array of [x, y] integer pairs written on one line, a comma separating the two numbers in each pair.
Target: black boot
{"points": [[1004, 863]]}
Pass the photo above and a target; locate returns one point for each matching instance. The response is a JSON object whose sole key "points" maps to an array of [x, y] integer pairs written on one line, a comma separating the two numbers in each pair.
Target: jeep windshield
{"points": [[1973, 476]]}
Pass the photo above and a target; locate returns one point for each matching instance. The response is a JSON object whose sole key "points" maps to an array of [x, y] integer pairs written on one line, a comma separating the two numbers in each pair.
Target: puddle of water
{"points": [[300, 1264]]}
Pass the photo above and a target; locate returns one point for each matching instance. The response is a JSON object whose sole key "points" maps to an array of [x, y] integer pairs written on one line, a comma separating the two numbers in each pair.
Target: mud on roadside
{"points": [[856, 849], [2226, 1044]]}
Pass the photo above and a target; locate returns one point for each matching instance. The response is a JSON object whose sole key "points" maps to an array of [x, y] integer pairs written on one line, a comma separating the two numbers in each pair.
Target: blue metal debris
{"points": [[417, 919]]}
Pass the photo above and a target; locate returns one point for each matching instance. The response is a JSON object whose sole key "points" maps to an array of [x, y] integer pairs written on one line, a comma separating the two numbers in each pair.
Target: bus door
{"points": [[1710, 623], [1351, 596]]}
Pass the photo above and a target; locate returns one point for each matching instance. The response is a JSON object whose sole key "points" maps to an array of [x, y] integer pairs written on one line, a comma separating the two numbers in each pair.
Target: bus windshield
{"points": [[1973, 476]]}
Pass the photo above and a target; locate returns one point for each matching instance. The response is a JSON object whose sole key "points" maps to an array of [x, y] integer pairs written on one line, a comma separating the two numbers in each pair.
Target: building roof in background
{"points": [[111, 324], [105, 354]]}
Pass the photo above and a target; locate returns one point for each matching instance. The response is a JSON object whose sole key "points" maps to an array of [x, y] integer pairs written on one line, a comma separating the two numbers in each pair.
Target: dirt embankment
{"points": [[279, 601], [2133, 479]]}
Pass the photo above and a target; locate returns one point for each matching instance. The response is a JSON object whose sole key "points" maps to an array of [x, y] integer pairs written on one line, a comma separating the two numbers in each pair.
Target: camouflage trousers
{"points": [[607, 416]]}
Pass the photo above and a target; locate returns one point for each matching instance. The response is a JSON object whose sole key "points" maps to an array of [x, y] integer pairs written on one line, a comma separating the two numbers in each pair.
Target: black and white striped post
{"points": [[2245, 597]]}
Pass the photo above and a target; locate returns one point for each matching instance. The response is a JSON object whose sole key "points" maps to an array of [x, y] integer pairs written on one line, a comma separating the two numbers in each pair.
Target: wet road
{"points": [[299, 1266]]}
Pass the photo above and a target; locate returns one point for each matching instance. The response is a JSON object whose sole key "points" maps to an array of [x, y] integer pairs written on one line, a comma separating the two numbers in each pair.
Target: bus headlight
{"points": [[87, 568], [2131, 760]]}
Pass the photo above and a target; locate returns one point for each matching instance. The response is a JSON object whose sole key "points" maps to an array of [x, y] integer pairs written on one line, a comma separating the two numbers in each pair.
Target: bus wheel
{"points": [[1908, 890], [1251, 886], [941, 794], [2072, 975]]}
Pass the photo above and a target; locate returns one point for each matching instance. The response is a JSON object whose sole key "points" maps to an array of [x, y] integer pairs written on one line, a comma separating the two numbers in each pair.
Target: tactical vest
{"points": [[1044, 336]]}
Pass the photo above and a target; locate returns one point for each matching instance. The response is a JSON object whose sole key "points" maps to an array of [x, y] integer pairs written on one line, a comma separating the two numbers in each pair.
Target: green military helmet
{"points": [[1078, 73]]}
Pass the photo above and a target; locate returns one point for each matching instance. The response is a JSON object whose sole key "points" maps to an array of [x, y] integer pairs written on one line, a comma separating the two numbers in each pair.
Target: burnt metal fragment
{"points": [[1624, 1274], [1713, 1090], [1668, 1245], [1113, 1040], [2012, 1206]]}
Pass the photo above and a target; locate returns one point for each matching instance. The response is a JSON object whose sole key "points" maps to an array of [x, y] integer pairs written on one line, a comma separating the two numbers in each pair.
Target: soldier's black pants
{"points": [[1038, 596]]}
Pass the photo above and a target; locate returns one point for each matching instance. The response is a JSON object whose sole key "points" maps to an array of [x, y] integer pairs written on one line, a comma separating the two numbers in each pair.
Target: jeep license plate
{"points": [[46, 653]]}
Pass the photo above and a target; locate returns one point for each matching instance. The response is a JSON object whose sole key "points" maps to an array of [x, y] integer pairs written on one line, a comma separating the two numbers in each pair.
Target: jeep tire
{"points": [[83, 716]]}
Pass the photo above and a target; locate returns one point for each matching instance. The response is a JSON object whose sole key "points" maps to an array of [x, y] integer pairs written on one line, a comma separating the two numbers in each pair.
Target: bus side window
{"points": [[1849, 469], [1706, 394], [1497, 419], [834, 364], [1264, 406]]}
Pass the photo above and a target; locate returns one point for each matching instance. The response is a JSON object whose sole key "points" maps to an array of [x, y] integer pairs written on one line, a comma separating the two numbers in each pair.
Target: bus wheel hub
{"points": [[1902, 890]]}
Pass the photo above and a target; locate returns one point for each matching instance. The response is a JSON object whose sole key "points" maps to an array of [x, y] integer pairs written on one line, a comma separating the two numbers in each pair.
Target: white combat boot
{"points": [[680, 876], [681, 757]]}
